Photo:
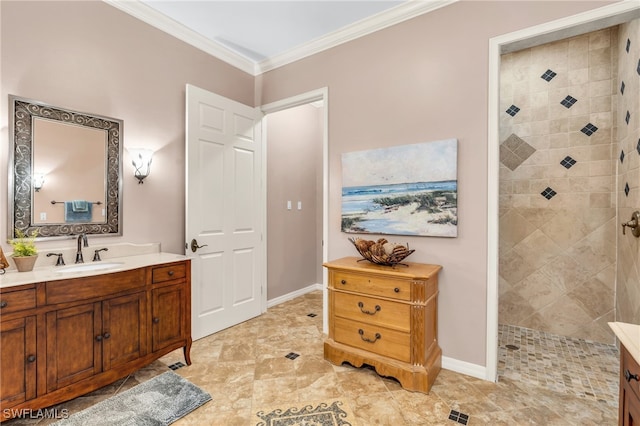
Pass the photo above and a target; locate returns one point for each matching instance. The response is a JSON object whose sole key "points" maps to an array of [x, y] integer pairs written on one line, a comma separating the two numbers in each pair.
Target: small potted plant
{"points": [[25, 251]]}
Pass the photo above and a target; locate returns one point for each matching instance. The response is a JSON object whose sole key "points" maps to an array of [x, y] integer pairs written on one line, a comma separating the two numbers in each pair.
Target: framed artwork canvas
{"points": [[402, 190]]}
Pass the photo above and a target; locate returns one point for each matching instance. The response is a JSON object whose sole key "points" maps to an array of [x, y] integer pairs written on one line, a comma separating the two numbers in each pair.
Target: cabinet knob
{"points": [[156, 320], [628, 376], [107, 335], [3, 304], [99, 338], [397, 290], [31, 358], [343, 282], [171, 273]]}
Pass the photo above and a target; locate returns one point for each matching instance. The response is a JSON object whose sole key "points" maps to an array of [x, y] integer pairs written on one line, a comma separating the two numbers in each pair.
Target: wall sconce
{"points": [[38, 181], [141, 160]]}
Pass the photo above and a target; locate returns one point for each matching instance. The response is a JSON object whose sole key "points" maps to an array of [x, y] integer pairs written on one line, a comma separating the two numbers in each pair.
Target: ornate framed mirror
{"points": [[65, 171]]}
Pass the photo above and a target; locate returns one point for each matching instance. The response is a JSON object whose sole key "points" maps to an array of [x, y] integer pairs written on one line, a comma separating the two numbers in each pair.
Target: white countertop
{"points": [[52, 273], [629, 336]]}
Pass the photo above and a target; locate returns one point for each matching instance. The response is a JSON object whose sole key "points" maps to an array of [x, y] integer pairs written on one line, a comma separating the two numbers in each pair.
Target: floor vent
{"points": [[176, 366], [312, 315], [459, 417], [292, 355]]}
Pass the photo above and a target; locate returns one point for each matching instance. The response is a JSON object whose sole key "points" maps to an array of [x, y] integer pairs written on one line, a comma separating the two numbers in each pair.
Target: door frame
{"points": [[593, 20], [321, 94]]}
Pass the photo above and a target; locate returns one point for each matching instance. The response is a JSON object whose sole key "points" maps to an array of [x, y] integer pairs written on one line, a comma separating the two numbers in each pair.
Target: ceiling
{"points": [[256, 36], [262, 29]]}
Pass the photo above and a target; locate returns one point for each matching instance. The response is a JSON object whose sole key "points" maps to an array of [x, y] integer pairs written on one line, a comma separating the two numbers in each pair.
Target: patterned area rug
{"points": [[158, 401], [333, 413]]}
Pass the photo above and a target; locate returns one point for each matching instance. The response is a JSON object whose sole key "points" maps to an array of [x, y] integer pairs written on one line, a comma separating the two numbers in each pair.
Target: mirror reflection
{"points": [[65, 155], [65, 171]]}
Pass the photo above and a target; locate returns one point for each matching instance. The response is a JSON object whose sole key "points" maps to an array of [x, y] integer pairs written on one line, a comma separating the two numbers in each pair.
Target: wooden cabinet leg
{"points": [[187, 352]]}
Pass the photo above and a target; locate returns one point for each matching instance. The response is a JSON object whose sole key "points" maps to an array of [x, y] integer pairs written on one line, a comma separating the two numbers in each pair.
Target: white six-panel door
{"points": [[224, 211]]}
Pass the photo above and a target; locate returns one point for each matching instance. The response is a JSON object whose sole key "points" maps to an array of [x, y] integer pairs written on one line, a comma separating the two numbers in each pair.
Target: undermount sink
{"points": [[86, 267]]}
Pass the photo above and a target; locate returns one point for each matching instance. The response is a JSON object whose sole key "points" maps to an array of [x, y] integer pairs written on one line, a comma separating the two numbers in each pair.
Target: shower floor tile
{"points": [[562, 364]]}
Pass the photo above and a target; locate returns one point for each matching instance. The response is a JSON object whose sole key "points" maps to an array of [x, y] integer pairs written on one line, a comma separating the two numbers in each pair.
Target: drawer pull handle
{"points": [[3, 304], [343, 282], [366, 339], [397, 290], [364, 311], [629, 376], [31, 358]]}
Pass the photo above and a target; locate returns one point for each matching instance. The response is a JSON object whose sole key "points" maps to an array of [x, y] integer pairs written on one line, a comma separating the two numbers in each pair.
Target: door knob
{"points": [[195, 246], [633, 224]]}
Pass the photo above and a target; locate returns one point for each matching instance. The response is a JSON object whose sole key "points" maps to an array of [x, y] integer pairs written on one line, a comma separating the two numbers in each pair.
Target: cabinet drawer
{"points": [[372, 338], [395, 315], [631, 366], [14, 301], [168, 273], [372, 285], [75, 289]]}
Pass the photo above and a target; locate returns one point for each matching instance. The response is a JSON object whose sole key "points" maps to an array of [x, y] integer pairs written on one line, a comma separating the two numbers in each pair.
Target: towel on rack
{"points": [[80, 206], [71, 215]]}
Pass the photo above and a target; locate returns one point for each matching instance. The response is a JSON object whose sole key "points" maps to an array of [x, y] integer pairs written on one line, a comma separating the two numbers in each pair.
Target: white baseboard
{"points": [[285, 298], [463, 367]]}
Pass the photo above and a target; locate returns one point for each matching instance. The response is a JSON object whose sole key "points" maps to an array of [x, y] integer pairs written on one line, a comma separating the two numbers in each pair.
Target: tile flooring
{"points": [[247, 369], [573, 366]]}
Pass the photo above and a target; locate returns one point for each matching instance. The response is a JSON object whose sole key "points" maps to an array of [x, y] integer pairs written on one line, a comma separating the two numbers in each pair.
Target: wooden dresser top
{"points": [[412, 271]]}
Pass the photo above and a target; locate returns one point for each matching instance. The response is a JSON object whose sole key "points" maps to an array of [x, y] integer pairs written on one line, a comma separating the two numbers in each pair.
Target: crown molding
{"points": [[400, 13], [396, 15], [141, 11]]}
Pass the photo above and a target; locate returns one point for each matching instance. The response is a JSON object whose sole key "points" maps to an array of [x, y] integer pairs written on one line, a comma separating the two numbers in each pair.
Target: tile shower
{"points": [[569, 175], [628, 160], [557, 176]]}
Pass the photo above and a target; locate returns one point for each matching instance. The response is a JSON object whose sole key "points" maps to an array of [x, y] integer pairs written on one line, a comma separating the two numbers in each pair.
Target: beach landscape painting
{"points": [[402, 190]]}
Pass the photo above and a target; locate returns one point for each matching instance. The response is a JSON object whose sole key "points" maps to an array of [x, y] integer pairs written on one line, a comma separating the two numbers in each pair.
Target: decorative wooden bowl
{"points": [[381, 252]]}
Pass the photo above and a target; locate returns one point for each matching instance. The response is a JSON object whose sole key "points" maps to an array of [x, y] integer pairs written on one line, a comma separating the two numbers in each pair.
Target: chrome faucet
{"points": [[82, 238]]}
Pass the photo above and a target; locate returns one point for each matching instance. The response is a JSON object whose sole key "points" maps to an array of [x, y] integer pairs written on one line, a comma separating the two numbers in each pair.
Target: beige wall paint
{"points": [[422, 80], [91, 57], [294, 162]]}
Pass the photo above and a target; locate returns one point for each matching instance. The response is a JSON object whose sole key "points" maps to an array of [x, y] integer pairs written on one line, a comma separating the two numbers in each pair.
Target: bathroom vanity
{"points": [[629, 401], [385, 317], [66, 334]]}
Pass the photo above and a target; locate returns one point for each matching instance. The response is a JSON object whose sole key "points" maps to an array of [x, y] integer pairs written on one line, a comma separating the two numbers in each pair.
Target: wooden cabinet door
{"points": [[124, 329], [168, 316], [74, 344], [17, 361], [630, 410]]}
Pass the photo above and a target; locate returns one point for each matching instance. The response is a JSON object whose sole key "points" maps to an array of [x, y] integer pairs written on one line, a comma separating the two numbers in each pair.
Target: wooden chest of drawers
{"points": [[385, 317]]}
